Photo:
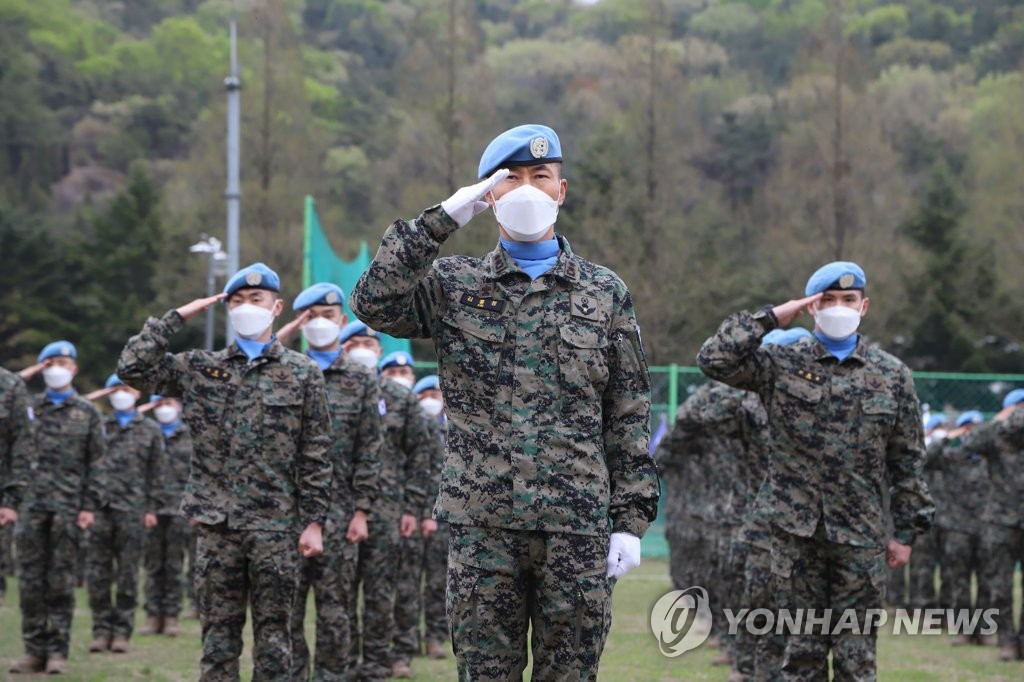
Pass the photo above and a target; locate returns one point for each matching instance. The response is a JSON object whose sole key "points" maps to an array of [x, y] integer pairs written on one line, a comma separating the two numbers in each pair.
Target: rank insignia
{"points": [[583, 306], [482, 303], [216, 373], [810, 376]]}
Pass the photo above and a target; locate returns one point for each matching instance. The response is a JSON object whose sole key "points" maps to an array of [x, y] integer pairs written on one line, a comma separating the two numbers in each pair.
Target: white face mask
{"points": [[363, 356], [250, 321], [837, 322], [166, 414], [526, 213], [321, 332], [122, 401], [404, 381], [432, 406], [57, 377]]}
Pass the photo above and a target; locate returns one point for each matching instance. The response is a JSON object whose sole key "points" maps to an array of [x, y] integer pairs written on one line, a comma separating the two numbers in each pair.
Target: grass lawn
{"points": [[630, 655]]}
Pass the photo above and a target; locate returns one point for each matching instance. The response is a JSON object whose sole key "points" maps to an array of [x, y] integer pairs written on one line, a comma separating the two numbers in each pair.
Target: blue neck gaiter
{"points": [[534, 259], [59, 398], [252, 349], [169, 429], [324, 358], [124, 418], [842, 348]]}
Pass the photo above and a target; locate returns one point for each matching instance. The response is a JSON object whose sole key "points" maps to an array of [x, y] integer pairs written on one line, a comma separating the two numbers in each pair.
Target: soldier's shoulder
{"points": [[300, 362], [886, 362], [460, 266], [599, 275], [76, 400], [8, 380]]}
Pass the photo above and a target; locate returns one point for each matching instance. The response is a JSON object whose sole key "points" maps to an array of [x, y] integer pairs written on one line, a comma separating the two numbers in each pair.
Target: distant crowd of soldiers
{"points": [[98, 492], [713, 463]]}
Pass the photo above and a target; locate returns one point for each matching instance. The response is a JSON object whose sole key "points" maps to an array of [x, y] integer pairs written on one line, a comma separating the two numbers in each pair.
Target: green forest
{"points": [[717, 152]]}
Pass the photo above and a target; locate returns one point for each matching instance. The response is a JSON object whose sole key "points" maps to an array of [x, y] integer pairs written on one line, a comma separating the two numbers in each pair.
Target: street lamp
{"points": [[217, 267]]}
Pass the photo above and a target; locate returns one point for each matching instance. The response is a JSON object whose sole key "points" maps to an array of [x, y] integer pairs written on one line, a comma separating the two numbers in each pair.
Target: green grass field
{"points": [[630, 655]]}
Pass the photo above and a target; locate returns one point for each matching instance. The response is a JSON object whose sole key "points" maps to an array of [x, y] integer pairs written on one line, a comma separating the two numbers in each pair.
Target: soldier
{"points": [[353, 397], [548, 397], [844, 416], [405, 458], [1001, 443], [63, 493], [15, 444], [132, 496], [435, 545], [928, 548], [260, 474], [959, 516], [167, 542]]}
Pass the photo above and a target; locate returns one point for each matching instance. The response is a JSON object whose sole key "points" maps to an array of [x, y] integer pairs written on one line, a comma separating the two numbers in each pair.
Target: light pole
{"points": [[217, 267]]}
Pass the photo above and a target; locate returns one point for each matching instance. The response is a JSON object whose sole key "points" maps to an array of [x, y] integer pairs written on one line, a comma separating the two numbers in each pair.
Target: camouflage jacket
{"points": [[15, 439], [405, 453], [132, 469], [354, 398], [64, 473], [260, 429], [1002, 444], [687, 502], [960, 500], [840, 432], [174, 474], [545, 382], [755, 526], [437, 430]]}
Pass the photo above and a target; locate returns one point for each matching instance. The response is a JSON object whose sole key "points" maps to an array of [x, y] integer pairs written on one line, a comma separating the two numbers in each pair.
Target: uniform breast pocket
{"points": [[470, 356], [282, 414], [583, 359], [796, 406], [878, 413]]}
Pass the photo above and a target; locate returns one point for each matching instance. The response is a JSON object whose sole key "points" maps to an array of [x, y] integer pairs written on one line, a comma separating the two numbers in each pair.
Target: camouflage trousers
{"points": [[190, 571], [47, 548], [896, 590], [962, 554], [758, 658], [1004, 547], [236, 569], [115, 550], [502, 583], [691, 553], [435, 574], [405, 643], [6, 556], [330, 576], [924, 559], [373, 625], [813, 573], [164, 558]]}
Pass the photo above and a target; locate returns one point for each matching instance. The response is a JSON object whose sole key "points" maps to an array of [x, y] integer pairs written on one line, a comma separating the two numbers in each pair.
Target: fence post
{"points": [[673, 393]]}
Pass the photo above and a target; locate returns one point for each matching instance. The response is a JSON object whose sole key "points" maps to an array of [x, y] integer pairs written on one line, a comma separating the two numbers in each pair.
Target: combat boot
{"points": [[98, 644], [27, 664], [120, 645], [1008, 652], [152, 626], [171, 626], [401, 670], [56, 665], [436, 650]]}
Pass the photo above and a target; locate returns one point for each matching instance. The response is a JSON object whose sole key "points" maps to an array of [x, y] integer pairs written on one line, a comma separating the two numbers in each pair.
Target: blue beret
{"points": [[58, 349], [155, 398], [113, 380], [838, 275], [784, 337], [970, 417], [427, 383], [355, 328], [398, 358], [934, 420], [1013, 397], [528, 145], [255, 276], [321, 293]]}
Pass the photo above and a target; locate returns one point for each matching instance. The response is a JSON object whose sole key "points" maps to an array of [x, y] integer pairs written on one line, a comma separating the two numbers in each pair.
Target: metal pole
{"points": [[211, 289], [233, 194]]}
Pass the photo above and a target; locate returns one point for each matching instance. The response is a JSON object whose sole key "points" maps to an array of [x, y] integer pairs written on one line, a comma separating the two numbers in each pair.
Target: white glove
{"points": [[623, 554], [467, 202]]}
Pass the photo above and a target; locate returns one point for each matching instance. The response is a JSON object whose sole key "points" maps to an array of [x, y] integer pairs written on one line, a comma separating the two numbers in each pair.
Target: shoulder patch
{"points": [[382, 407], [216, 373], [875, 382], [482, 302], [31, 413], [582, 305], [810, 376]]}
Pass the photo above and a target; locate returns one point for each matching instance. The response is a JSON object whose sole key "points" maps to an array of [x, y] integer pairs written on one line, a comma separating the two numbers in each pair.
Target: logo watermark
{"points": [[681, 620]]}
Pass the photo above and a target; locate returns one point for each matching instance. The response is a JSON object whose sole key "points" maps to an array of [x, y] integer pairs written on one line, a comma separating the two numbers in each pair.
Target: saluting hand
{"points": [[311, 542], [790, 310], [190, 310], [1005, 413], [288, 331], [468, 201], [33, 370]]}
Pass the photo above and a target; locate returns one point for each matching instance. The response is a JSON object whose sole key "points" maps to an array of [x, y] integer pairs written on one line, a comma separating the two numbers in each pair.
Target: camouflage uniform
{"points": [[63, 479], [435, 552], [1002, 444], [548, 401], [404, 458], [927, 555], [131, 472], [260, 473], [837, 429], [15, 442], [167, 543], [406, 641], [353, 396]]}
